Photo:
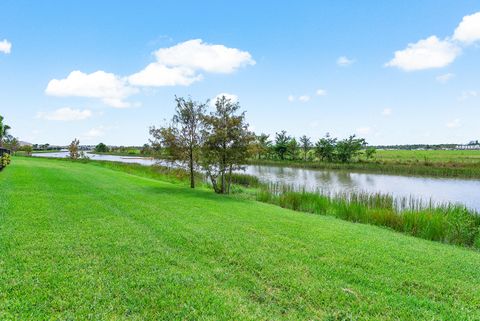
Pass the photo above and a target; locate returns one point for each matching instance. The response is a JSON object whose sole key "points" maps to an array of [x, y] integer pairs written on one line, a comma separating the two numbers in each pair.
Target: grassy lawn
{"points": [[80, 241], [434, 156]]}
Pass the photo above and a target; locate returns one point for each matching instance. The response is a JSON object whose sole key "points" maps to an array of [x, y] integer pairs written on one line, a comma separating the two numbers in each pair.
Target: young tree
{"points": [[281, 144], [325, 148], [4, 128], [261, 146], [370, 153], [181, 140], [73, 149], [226, 141], [306, 144], [348, 148], [101, 148], [292, 148], [28, 149]]}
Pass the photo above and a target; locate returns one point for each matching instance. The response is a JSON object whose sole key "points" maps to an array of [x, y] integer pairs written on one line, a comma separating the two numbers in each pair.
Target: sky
{"points": [[393, 72]]}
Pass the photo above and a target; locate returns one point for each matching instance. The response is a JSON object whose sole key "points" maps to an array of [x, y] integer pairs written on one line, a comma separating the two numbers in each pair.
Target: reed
{"points": [[445, 223]]}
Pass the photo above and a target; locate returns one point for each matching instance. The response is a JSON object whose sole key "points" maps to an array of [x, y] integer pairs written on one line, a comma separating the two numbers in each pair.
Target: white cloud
{"points": [[66, 114], [111, 89], [291, 98], [180, 65], [304, 98], [158, 75], [466, 94], [364, 130], [321, 92], [454, 123], [444, 78], [387, 112], [344, 61], [5, 46], [197, 55], [233, 98], [468, 31], [425, 54]]}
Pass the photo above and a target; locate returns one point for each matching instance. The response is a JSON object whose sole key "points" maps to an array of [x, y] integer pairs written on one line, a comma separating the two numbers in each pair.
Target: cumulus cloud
{"points": [[5, 46], [66, 114], [321, 92], [433, 52], [444, 78], [387, 112], [158, 75], [425, 54], [468, 31], [197, 55], [181, 64], [343, 61], [110, 88], [304, 98], [291, 98], [454, 123]]}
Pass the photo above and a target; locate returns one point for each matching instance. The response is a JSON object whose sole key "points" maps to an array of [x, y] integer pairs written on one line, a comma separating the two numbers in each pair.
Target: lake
{"points": [[437, 190]]}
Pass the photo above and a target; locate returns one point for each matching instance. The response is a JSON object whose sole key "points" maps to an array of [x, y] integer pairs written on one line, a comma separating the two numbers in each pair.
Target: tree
{"points": [[101, 148], [28, 149], [73, 149], [325, 148], [181, 140], [261, 146], [146, 150], [292, 148], [226, 141], [4, 129], [370, 153], [281, 144], [348, 148], [12, 143], [306, 144]]}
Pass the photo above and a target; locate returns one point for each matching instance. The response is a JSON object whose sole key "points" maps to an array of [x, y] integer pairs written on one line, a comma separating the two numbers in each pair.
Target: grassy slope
{"points": [[78, 240]]}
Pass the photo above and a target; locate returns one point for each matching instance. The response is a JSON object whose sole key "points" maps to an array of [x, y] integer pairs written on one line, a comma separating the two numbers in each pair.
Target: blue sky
{"points": [[392, 72]]}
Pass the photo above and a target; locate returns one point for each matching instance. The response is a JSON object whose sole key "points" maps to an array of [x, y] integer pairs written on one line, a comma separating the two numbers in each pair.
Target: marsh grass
{"points": [[447, 223]]}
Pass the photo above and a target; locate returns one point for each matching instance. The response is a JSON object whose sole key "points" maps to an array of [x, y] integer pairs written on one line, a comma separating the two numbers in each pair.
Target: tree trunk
{"points": [[229, 179], [192, 173]]}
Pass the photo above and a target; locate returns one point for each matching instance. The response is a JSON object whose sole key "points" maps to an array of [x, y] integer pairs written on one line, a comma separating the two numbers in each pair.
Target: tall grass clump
{"points": [[453, 224]]}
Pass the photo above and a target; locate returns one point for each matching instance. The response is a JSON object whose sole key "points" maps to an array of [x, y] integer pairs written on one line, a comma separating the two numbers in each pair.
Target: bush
{"points": [[5, 160]]}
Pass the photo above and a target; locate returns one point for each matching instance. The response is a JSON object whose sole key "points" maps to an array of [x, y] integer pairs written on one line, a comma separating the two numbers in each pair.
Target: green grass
{"points": [[434, 156], [454, 224], [87, 241]]}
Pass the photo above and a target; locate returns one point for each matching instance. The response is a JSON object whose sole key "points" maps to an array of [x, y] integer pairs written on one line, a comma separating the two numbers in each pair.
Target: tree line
{"points": [[327, 149]]}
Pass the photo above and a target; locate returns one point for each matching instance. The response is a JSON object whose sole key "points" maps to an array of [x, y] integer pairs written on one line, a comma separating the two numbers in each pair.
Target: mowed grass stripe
{"points": [[81, 241]]}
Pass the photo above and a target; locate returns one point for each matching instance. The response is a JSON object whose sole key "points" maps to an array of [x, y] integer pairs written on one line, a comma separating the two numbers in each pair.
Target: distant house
{"points": [[472, 145], [22, 144]]}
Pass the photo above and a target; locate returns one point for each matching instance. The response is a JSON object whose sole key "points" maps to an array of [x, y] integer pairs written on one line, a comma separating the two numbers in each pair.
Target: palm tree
{"points": [[4, 128]]}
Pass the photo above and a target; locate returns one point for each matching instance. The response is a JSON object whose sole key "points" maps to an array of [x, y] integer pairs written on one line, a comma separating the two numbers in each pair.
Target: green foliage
{"points": [[281, 144], [4, 129], [325, 148], [305, 144], [370, 153], [226, 143], [101, 148], [73, 149], [5, 160], [349, 148]]}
